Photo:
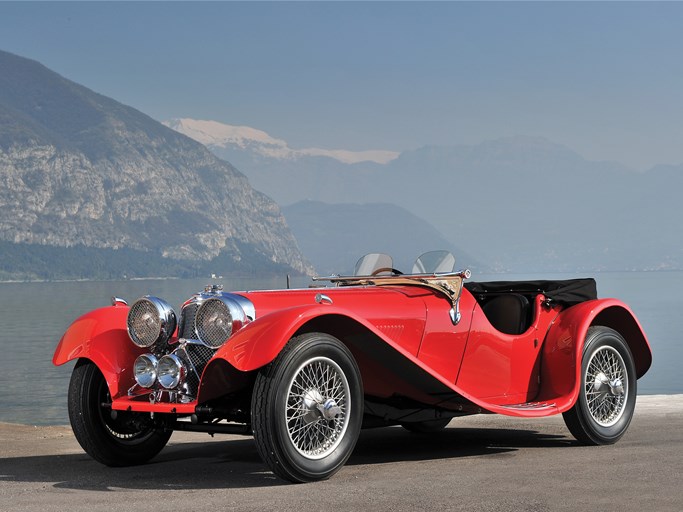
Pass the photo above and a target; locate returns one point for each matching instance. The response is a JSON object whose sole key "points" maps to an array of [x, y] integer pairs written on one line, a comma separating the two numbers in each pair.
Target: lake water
{"points": [[35, 315]]}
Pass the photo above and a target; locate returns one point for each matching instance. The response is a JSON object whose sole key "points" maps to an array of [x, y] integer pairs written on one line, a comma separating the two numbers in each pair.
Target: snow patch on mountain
{"points": [[213, 133]]}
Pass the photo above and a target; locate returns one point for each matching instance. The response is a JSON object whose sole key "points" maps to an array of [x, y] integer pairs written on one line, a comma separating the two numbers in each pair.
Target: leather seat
{"points": [[509, 313]]}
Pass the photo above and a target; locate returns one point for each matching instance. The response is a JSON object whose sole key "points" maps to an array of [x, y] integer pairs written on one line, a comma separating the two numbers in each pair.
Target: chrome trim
{"points": [[163, 325], [190, 341], [150, 377], [465, 274], [174, 397], [193, 354], [181, 393], [448, 284], [336, 278], [183, 347], [321, 298], [171, 371], [242, 307], [246, 305], [237, 320], [455, 314], [118, 301]]}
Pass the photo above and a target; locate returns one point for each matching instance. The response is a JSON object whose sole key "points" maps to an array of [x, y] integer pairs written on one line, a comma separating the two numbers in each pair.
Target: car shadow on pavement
{"points": [[395, 444], [235, 463]]}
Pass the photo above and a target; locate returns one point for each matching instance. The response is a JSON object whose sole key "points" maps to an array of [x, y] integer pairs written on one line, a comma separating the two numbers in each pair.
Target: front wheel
{"points": [[307, 408], [607, 396], [130, 439]]}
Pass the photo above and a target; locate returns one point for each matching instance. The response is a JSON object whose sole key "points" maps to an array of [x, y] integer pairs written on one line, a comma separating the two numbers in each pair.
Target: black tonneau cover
{"points": [[566, 292]]}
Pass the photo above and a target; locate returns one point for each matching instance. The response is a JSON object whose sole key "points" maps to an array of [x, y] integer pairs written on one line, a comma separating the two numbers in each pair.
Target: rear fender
{"points": [[101, 337], [564, 344]]}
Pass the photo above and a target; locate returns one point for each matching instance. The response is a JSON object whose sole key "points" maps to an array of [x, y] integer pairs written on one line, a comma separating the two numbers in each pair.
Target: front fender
{"points": [[564, 344], [257, 344], [101, 337], [260, 342]]}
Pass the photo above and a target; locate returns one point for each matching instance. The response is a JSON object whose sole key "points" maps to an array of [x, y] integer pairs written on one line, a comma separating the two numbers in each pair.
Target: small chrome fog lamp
{"points": [[171, 371], [150, 320], [145, 370]]}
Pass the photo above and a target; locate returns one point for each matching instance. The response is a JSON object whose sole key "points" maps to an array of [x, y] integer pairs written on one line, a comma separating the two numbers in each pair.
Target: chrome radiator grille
{"points": [[187, 317], [198, 355]]}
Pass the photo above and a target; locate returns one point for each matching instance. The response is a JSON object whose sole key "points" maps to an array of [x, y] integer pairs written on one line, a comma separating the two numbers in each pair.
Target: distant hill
{"points": [[518, 204], [98, 180], [334, 236]]}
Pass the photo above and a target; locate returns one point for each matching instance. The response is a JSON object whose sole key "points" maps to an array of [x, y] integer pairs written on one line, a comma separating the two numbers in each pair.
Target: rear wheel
{"points": [[131, 438], [607, 396], [307, 408]]}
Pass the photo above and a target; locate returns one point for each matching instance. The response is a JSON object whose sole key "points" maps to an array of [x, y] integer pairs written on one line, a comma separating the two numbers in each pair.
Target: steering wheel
{"points": [[386, 269]]}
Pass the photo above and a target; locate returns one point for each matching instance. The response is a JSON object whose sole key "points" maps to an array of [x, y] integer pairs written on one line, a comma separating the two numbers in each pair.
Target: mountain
{"points": [[517, 204], [84, 176], [334, 236], [225, 136], [289, 175]]}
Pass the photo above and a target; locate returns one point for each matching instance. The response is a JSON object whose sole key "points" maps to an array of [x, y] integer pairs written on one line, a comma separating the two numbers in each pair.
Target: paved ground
{"points": [[482, 463]]}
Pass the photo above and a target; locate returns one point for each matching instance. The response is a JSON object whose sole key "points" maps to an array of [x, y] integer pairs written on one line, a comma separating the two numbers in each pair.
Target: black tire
{"points": [[130, 439], [427, 427], [607, 396], [314, 374]]}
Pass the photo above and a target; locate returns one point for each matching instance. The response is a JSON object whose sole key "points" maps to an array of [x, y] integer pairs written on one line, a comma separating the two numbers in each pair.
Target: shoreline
{"points": [[277, 276]]}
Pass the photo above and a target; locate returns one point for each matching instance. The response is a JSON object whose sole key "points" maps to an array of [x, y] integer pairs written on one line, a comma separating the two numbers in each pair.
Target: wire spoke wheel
{"points": [[317, 407], [606, 386], [307, 408], [607, 396]]}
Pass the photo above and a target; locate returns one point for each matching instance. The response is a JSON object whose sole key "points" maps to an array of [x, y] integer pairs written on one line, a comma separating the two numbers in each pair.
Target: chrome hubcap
{"points": [[318, 407], [606, 386]]}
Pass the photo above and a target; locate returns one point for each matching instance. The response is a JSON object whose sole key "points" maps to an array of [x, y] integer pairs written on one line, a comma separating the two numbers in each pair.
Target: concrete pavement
{"points": [[479, 463]]}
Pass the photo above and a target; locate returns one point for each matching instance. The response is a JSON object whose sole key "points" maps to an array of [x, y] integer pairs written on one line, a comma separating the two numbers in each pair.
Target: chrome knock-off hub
{"points": [[317, 407]]}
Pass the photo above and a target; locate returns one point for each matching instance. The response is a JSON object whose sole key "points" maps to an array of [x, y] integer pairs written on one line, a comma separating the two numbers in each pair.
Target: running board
{"points": [[531, 406]]}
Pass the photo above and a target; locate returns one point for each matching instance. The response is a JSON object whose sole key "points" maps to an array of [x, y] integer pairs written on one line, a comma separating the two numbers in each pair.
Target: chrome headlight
{"points": [[217, 319], [150, 320], [171, 371], [145, 370]]}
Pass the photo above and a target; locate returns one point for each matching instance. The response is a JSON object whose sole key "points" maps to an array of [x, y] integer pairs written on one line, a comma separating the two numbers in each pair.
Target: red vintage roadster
{"points": [[304, 370]]}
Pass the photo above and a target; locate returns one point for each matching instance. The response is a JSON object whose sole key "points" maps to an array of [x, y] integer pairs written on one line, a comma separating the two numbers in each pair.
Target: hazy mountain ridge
{"points": [[334, 236], [521, 204], [80, 169]]}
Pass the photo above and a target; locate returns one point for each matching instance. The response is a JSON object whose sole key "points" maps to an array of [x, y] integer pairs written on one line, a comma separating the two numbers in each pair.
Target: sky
{"points": [[605, 79]]}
